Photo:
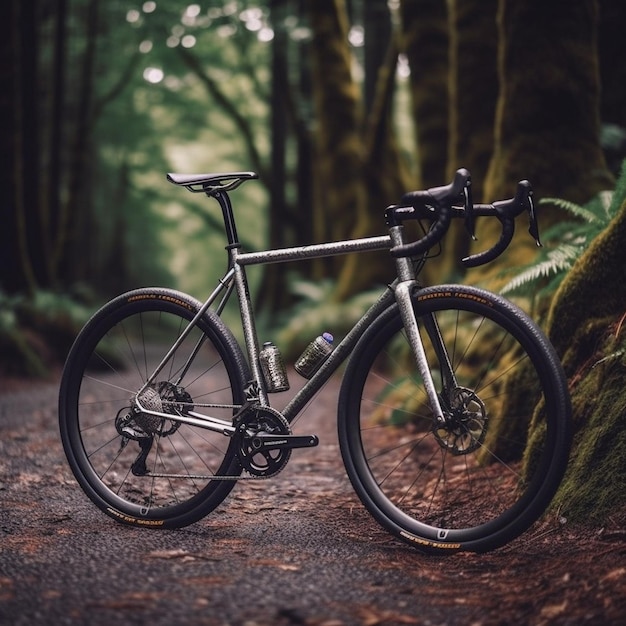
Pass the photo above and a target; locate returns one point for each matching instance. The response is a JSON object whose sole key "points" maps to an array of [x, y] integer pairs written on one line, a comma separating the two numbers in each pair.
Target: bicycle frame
{"points": [[399, 291]]}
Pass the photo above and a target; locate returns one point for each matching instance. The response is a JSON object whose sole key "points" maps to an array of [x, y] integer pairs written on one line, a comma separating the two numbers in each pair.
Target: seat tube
{"points": [[249, 328], [403, 290]]}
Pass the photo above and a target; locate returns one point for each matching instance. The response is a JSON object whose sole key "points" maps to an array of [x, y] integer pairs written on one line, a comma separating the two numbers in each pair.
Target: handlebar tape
{"points": [[436, 232], [508, 229]]}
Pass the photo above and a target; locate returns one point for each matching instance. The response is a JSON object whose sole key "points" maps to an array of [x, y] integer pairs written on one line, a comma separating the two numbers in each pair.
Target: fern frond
{"points": [[575, 209], [557, 261]]}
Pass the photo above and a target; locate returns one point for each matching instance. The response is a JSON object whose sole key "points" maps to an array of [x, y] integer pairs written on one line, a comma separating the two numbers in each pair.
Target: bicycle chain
{"points": [[250, 412], [215, 476]]}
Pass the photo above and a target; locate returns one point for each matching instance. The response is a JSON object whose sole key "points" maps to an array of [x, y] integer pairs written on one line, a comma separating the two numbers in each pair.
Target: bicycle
{"points": [[453, 416]]}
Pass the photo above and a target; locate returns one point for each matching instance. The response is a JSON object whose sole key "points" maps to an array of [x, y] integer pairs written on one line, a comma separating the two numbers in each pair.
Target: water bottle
{"points": [[314, 355], [273, 368]]}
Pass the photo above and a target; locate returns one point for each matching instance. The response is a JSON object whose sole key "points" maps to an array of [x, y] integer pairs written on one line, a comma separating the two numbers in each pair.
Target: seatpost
{"points": [[229, 219]]}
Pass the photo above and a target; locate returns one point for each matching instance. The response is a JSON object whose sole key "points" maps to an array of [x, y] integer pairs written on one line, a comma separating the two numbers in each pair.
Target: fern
{"points": [[566, 241]]}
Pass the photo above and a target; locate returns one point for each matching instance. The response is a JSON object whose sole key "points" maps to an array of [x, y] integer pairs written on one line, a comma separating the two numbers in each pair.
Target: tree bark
{"points": [[29, 228], [587, 325], [547, 126], [612, 49], [472, 93], [425, 42], [473, 88], [340, 199], [547, 120]]}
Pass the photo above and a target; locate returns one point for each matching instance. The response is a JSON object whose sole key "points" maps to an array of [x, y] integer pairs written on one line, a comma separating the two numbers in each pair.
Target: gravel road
{"points": [[297, 549]]}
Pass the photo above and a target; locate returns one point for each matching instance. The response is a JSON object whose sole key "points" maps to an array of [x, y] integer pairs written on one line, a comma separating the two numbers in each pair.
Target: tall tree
{"points": [[586, 325], [23, 231], [425, 42], [547, 121], [473, 88], [612, 47], [339, 155], [358, 170], [472, 96]]}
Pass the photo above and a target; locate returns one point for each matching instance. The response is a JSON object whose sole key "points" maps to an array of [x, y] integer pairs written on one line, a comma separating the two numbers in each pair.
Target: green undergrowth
{"points": [[594, 488], [37, 331]]}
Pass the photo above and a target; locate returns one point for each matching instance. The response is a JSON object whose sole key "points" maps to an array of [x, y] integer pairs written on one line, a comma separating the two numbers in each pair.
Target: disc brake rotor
{"points": [[466, 423]]}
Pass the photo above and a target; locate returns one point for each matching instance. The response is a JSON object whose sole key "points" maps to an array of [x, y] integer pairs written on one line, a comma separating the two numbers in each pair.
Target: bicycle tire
{"points": [[109, 362], [476, 484]]}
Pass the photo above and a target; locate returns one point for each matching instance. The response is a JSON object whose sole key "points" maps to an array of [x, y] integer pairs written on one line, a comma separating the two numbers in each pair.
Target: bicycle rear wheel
{"points": [[486, 475], [137, 468]]}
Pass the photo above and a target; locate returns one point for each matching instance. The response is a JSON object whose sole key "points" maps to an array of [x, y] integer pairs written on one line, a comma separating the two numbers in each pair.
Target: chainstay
{"points": [[213, 476]]}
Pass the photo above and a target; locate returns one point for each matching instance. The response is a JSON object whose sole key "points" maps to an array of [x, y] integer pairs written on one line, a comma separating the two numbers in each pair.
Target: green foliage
{"points": [[36, 332], [317, 311], [564, 242], [598, 400]]}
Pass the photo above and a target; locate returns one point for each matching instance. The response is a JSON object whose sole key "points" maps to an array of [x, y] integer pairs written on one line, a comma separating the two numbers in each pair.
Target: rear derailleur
{"points": [[133, 423]]}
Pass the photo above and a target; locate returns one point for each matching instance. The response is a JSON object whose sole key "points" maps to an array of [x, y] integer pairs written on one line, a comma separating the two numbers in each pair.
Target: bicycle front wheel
{"points": [[139, 468], [489, 471]]}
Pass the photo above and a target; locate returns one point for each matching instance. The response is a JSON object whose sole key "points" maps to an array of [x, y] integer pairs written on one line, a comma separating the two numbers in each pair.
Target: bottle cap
{"points": [[328, 337]]}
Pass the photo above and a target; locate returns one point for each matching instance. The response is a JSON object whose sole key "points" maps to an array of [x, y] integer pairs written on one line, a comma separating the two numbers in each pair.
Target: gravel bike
{"points": [[453, 417]]}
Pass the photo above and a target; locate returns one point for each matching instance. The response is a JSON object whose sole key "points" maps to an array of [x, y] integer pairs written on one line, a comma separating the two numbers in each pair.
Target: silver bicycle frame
{"points": [[400, 290]]}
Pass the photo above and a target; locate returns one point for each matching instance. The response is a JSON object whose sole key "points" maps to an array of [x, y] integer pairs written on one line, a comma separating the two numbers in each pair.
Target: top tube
{"points": [[314, 251]]}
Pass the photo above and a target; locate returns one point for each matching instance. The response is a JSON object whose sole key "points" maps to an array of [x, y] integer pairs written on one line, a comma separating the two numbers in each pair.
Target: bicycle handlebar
{"points": [[436, 202], [439, 204]]}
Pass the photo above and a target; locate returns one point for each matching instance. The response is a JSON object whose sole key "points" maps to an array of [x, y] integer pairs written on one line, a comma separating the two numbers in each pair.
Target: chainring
{"points": [[251, 426]]}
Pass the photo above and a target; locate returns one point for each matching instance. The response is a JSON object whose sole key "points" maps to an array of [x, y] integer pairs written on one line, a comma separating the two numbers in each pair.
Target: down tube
{"points": [[337, 356]]}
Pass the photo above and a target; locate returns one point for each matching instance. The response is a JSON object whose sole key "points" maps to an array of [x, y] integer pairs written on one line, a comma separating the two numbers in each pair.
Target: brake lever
{"points": [[469, 209], [533, 222], [506, 211]]}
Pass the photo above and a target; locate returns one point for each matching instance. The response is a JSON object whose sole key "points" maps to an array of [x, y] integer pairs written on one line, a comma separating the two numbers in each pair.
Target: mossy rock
{"points": [[594, 487]]}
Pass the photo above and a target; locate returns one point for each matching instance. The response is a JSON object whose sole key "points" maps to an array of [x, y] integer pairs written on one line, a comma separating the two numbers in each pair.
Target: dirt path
{"points": [[298, 549]]}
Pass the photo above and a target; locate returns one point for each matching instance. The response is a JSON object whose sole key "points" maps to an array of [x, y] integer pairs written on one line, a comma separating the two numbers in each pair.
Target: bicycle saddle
{"points": [[224, 181]]}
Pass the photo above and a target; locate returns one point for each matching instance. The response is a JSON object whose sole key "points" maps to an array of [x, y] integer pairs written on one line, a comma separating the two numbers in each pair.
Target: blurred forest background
{"points": [[340, 106]]}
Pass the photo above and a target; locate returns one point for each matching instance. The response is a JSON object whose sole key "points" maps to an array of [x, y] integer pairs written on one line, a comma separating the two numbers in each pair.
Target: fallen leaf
{"points": [[288, 567], [614, 575], [554, 610]]}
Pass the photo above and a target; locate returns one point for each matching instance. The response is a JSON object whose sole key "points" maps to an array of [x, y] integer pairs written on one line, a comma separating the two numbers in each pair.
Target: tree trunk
{"points": [[340, 198], [385, 177], [12, 269], [273, 296], [29, 242], [473, 93], [547, 120], [52, 190], [425, 42], [612, 50], [473, 88], [587, 325], [377, 29]]}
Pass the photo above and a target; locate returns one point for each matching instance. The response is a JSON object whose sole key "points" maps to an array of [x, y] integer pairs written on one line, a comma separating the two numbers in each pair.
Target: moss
{"points": [[594, 487], [594, 288], [585, 325]]}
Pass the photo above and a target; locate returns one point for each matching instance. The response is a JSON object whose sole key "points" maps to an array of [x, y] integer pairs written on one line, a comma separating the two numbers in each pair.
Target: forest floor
{"points": [[297, 549]]}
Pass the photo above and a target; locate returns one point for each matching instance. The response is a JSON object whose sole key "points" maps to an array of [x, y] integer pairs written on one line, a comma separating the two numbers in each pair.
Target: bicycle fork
{"points": [[403, 293], [403, 290]]}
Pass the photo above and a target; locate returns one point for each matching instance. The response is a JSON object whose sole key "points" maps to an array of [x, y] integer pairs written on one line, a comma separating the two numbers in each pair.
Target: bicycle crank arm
{"points": [[263, 441]]}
